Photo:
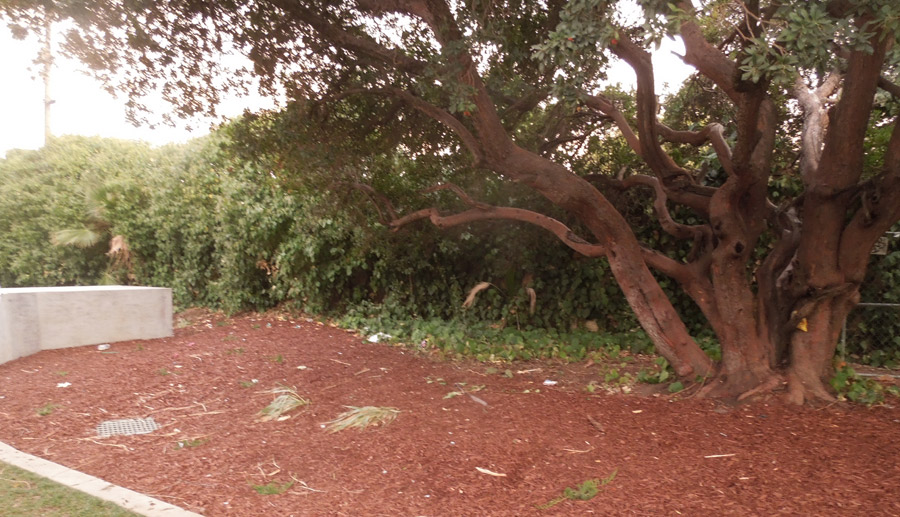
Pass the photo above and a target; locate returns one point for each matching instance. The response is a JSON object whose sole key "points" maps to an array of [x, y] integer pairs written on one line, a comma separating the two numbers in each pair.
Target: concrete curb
{"points": [[128, 499]]}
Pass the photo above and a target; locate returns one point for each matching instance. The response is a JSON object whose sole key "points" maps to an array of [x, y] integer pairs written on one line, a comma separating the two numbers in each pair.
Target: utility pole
{"points": [[47, 61]]}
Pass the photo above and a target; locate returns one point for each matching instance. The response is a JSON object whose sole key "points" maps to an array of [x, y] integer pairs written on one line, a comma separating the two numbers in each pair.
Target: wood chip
{"points": [[490, 472], [596, 424], [476, 399], [720, 455]]}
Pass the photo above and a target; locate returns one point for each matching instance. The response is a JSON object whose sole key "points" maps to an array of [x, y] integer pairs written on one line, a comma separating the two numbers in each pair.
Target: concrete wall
{"points": [[42, 318]]}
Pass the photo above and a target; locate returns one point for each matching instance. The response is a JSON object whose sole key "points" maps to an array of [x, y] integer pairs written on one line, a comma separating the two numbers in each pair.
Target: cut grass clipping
{"points": [[582, 492], [362, 417], [287, 400]]}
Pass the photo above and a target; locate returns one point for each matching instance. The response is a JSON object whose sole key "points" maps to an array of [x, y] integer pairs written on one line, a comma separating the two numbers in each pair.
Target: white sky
{"points": [[82, 107]]}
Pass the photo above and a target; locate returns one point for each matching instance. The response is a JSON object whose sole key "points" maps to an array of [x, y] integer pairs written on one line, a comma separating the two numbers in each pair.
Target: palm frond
{"points": [[286, 400], [470, 299], [362, 417], [78, 237]]}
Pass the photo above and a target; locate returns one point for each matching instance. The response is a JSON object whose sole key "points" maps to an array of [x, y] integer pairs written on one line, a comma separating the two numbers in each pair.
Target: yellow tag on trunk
{"points": [[802, 325]]}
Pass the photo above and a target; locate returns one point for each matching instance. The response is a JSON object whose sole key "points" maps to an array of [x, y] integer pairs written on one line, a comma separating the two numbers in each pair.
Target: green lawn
{"points": [[23, 494]]}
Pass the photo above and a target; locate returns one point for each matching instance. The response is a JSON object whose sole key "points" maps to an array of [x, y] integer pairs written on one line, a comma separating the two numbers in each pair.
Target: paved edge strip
{"points": [[128, 499]]}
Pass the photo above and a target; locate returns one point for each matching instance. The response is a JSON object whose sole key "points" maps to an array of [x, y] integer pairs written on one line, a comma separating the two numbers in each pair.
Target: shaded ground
{"points": [[686, 457]]}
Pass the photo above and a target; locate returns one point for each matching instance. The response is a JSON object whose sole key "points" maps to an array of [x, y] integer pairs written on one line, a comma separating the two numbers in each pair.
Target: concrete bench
{"points": [[42, 318]]}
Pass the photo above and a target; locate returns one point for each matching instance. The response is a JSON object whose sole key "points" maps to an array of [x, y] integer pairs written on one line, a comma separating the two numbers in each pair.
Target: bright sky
{"points": [[82, 107]]}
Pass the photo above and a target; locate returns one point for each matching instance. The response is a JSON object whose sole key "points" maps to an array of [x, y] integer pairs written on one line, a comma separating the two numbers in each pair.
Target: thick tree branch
{"points": [[679, 184], [482, 212], [827, 256], [843, 149], [713, 133], [815, 119], [666, 265], [885, 84], [605, 106], [706, 58], [669, 225], [653, 154], [879, 211]]}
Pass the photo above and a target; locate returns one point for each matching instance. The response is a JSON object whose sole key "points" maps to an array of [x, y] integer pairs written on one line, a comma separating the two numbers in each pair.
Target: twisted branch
{"points": [[482, 211], [605, 106], [713, 133], [699, 234]]}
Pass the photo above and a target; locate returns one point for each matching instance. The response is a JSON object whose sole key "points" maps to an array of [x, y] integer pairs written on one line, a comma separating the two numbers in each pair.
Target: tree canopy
{"points": [[778, 164]]}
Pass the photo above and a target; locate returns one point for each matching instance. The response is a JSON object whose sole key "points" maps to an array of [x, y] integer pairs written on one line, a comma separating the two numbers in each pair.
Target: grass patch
{"points": [[23, 494], [273, 488], [583, 492], [362, 417], [47, 409], [287, 400], [485, 342]]}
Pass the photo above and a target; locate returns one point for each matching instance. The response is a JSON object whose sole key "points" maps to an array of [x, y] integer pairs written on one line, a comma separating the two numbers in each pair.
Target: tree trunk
{"points": [[745, 353], [812, 349], [656, 314], [650, 304]]}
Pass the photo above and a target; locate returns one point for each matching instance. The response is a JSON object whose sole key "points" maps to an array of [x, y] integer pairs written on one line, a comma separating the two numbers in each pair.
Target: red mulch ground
{"points": [[671, 457]]}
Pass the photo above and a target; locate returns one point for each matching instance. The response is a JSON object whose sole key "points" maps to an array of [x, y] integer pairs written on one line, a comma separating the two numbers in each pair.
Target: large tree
{"points": [[515, 87]]}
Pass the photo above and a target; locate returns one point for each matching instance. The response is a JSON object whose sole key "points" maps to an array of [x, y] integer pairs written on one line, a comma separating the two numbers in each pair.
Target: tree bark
{"points": [[812, 349]]}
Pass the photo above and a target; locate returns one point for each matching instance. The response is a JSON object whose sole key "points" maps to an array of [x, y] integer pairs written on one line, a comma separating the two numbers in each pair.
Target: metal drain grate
{"points": [[127, 426]]}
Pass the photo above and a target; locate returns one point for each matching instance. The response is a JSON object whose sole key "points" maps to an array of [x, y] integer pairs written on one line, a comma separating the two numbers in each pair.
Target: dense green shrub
{"points": [[227, 231], [54, 189]]}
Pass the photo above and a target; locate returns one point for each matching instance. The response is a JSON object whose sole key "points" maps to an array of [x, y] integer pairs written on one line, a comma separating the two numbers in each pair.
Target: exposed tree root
{"points": [[741, 386], [800, 392], [770, 384]]}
